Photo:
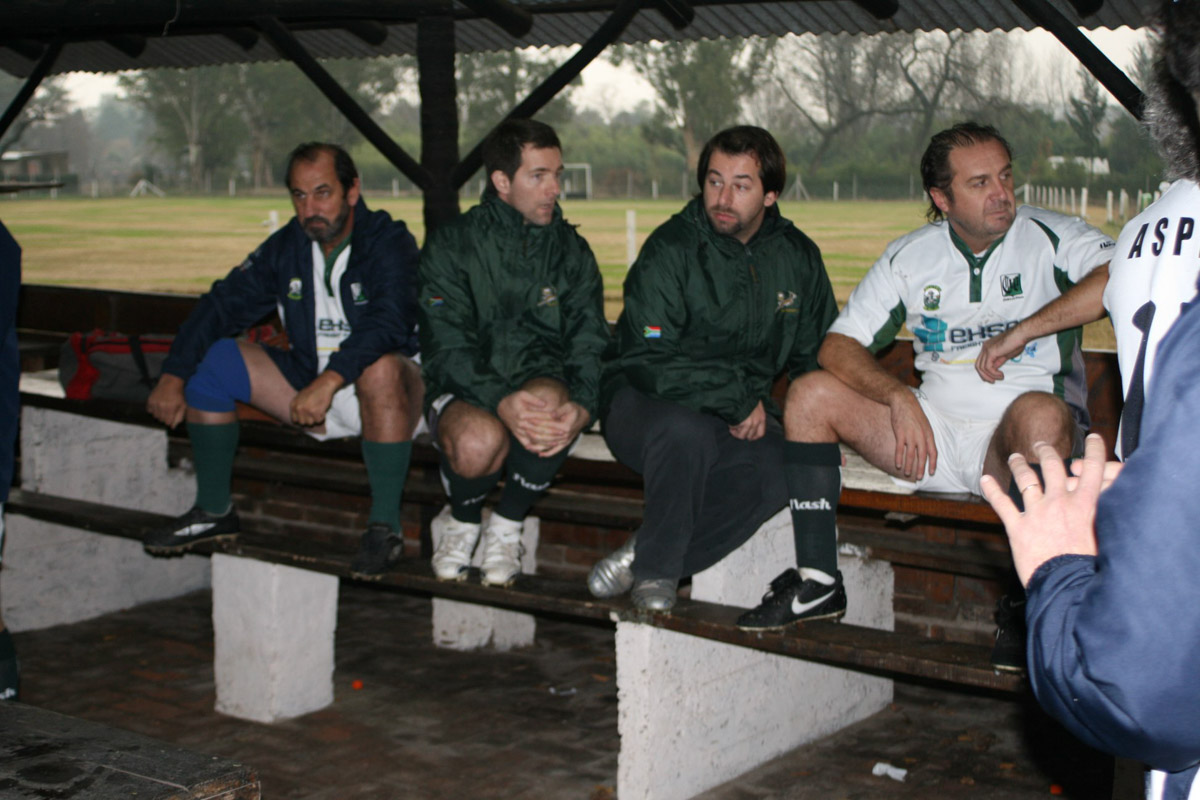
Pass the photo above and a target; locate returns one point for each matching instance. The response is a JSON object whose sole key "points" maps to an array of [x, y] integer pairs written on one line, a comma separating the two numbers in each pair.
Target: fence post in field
{"points": [[395, 187], [1108, 207], [835, 191], [1083, 202], [630, 237], [1123, 204], [233, 187]]}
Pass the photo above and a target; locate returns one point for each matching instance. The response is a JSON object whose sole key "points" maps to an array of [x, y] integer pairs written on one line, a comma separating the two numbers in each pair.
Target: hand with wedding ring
{"points": [[1059, 519]]}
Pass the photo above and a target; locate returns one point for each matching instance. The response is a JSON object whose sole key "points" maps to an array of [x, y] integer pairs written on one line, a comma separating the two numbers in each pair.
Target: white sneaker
{"points": [[502, 551], [455, 542]]}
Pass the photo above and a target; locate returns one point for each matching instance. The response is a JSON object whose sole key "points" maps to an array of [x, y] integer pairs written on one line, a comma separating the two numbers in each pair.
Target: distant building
{"points": [[1093, 166], [19, 165]]}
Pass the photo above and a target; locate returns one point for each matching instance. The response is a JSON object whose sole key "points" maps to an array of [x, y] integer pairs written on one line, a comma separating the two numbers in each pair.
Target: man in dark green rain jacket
{"points": [[724, 297], [512, 329]]}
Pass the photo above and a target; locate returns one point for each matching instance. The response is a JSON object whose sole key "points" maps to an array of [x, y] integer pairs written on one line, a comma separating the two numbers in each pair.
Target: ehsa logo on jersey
{"points": [[549, 297], [931, 296], [360, 297], [294, 289], [786, 302], [1010, 286]]}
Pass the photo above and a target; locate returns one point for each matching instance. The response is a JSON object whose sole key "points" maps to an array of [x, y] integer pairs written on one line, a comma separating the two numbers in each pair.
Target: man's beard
{"points": [[327, 231], [732, 228]]}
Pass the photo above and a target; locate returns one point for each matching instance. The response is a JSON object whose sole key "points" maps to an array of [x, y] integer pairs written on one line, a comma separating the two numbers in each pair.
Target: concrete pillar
{"points": [[115, 463], [695, 713], [273, 629], [469, 626]]}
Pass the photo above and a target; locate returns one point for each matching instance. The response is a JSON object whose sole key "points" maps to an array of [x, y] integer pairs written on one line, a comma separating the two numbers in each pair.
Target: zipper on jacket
{"points": [[755, 311]]}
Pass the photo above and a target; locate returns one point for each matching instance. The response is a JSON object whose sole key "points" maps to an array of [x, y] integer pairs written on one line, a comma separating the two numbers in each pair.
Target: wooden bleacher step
{"points": [[840, 644]]}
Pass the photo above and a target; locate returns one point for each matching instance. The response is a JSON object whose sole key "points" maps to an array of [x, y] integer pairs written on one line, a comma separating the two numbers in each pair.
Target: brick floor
{"points": [[535, 723]]}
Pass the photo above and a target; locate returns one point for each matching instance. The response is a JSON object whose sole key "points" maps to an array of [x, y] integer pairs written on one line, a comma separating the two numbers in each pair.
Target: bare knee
{"points": [[390, 393], [381, 381], [811, 405], [474, 442], [1035, 417]]}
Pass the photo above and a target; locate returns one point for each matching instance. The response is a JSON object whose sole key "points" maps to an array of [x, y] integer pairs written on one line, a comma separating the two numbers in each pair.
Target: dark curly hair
{"points": [[772, 165], [1171, 112], [502, 149]]}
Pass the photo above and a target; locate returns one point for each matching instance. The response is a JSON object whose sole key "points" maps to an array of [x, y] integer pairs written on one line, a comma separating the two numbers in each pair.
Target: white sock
{"points": [[820, 576]]}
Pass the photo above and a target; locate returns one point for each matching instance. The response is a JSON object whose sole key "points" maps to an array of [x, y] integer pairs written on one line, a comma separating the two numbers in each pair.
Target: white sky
{"points": [[610, 89]]}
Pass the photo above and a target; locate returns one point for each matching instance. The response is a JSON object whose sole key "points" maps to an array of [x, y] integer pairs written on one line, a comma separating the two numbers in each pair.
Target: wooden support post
{"points": [[35, 78], [1109, 74], [290, 48], [439, 117], [605, 35]]}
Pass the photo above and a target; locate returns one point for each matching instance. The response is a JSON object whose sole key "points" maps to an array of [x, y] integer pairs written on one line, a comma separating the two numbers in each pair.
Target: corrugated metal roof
{"points": [[556, 24]]}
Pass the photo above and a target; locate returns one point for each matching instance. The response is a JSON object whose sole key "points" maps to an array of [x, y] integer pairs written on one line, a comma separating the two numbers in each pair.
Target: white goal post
{"points": [[577, 181]]}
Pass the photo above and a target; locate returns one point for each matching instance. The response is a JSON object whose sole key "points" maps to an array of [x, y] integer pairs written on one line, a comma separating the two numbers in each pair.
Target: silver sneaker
{"points": [[613, 574], [454, 543], [502, 551], [655, 594]]}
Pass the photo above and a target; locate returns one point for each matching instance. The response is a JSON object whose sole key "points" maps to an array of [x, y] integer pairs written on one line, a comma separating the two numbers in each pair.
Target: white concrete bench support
{"points": [[54, 575], [695, 713], [273, 630], [469, 626]]}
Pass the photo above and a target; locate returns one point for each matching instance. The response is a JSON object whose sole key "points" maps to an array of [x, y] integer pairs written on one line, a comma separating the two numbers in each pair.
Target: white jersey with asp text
{"points": [[954, 300], [1152, 274]]}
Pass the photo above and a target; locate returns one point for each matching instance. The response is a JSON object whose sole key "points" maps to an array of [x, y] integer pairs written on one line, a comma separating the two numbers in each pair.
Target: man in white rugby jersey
{"points": [[977, 269]]}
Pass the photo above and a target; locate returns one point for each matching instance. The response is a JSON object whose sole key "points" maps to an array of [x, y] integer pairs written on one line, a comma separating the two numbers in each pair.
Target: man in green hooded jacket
{"points": [[512, 329], [724, 297]]}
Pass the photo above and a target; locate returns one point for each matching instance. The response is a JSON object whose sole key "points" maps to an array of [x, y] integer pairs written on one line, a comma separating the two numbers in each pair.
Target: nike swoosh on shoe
{"points": [[195, 529], [800, 608]]}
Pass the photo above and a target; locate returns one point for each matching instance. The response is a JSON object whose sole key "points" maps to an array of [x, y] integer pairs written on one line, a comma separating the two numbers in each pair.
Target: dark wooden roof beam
{"points": [[372, 32], [880, 9], [511, 18], [27, 49], [678, 13], [132, 46], [1085, 8], [287, 45], [1108, 73], [606, 34], [244, 38], [31, 84]]}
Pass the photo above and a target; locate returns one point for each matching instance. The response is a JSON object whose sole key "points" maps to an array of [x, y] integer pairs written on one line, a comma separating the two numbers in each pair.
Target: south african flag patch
{"points": [[651, 332]]}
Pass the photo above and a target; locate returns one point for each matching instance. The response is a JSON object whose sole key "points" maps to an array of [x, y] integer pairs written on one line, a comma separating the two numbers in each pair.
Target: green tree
{"points": [[1087, 113], [836, 84], [491, 84], [48, 104], [701, 85], [194, 115], [280, 107]]}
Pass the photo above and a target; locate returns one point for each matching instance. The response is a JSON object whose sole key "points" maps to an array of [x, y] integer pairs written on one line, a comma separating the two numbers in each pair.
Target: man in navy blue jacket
{"points": [[10, 404], [1112, 579], [343, 279]]}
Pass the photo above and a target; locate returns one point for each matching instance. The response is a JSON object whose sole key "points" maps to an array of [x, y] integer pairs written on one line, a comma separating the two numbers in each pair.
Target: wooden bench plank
{"points": [[838, 643], [842, 644], [45, 754]]}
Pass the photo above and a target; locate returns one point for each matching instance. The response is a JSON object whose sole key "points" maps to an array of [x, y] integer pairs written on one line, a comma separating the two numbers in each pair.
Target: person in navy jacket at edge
{"points": [[1107, 552]]}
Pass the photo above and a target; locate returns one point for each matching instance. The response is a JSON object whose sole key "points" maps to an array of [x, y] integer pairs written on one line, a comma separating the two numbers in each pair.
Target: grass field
{"points": [[183, 244]]}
